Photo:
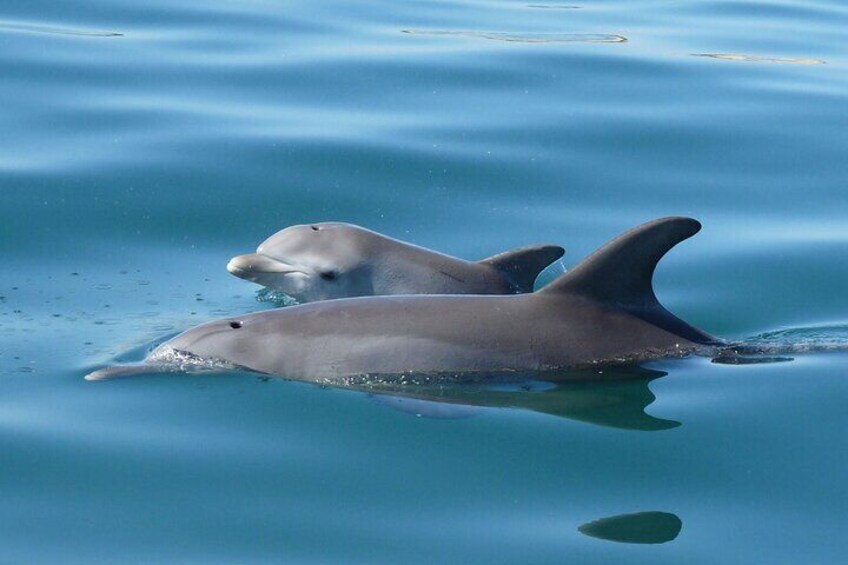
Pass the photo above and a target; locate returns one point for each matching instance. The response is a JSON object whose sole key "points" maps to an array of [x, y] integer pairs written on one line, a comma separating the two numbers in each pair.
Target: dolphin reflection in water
{"points": [[616, 398]]}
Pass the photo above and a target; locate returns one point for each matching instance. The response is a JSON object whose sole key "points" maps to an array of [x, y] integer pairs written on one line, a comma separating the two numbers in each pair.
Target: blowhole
{"points": [[235, 325], [328, 275], [315, 228]]}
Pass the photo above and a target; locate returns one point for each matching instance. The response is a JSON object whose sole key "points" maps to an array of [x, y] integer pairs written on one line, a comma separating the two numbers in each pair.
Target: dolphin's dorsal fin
{"points": [[522, 266], [621, 272]]}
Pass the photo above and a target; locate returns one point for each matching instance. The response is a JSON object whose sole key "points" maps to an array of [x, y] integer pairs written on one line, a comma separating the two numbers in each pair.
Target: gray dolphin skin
{"points": [[336, 260], [603, 311]]}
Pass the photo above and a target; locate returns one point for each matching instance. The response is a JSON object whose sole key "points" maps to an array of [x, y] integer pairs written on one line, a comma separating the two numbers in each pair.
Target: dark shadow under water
{"points": [[649, 527]]}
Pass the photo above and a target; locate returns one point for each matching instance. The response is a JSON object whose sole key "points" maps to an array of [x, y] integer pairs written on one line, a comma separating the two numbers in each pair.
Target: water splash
{"points": [[164, 360], [830, 337], [184, 361], [772, 346], [275, 297], [526, 37]]}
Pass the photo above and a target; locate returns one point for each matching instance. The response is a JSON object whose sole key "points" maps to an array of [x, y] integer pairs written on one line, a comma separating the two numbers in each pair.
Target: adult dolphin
{"points": [[603, 311], [337, 260]]}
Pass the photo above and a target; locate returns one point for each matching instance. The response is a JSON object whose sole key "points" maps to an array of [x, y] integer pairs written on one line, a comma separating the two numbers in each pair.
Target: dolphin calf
{"points": [[603, 311], [337, 260]]}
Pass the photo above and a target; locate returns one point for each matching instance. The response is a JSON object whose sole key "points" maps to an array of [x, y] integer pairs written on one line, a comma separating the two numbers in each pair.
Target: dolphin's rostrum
{"points": [[603, 311], [338, 260]]}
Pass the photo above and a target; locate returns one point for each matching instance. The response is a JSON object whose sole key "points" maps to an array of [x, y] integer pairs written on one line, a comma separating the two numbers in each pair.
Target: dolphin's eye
{"points": [[235, 325], [328, 275], [315, 228]]}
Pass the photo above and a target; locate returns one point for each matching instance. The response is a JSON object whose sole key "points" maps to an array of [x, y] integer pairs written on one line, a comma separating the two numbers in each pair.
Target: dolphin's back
{"points": [[393, 334], [436, 334]]}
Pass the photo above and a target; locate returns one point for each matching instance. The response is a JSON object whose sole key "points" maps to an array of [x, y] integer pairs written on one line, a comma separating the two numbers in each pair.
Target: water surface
{"points": [[145, 144]]}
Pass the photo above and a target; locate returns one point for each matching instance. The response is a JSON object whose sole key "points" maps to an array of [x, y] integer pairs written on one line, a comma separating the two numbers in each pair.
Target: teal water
{"points": [[144, 144]]}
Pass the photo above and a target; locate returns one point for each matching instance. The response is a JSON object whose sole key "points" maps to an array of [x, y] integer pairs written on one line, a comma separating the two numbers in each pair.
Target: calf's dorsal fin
{"points": [[522, 266], [621, 273]]}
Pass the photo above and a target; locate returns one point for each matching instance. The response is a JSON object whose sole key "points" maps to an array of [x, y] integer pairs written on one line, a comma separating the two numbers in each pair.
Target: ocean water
{"points": [[144, 144]]}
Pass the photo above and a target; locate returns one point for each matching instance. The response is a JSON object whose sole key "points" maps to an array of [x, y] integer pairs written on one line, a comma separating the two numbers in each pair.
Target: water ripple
{"points": [[29, 28], [526, 37], [760, 59]]}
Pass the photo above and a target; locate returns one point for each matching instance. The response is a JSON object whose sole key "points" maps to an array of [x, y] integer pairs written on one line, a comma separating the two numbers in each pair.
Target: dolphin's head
{"points": [[235, 342], [313, 262]]}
